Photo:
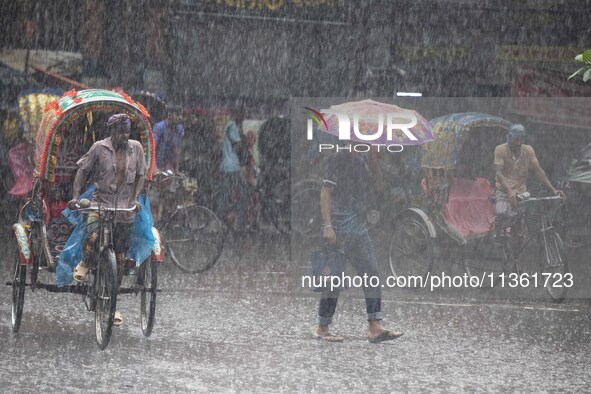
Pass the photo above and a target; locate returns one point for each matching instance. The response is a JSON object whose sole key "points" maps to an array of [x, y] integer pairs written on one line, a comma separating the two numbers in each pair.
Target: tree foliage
{"points": [[585, 70]]}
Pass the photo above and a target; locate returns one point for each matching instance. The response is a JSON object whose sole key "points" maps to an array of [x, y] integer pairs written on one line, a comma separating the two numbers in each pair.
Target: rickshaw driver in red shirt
{"points": [[117, 166], [512, 161]]}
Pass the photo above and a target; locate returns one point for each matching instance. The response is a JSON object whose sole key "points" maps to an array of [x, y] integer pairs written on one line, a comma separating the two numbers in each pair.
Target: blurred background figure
{"points": [[168, 134]]}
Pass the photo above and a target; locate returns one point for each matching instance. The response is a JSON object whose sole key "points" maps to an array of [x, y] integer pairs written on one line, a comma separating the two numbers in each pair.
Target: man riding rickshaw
{"points": [[94, 151]]}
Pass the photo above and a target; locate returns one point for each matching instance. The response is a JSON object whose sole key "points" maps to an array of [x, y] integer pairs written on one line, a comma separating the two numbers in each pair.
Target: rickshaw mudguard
{"points": [[423, 217], [157, 251], [24, 243]]}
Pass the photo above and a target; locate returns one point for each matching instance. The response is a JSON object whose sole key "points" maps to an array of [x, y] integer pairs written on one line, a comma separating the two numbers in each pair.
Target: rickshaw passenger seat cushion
{"points": [[469, 211]]}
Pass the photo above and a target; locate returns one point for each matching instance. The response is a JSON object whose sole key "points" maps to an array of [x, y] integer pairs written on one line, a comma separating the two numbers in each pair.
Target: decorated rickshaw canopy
{"points": [[448, 130], [61, 114]]}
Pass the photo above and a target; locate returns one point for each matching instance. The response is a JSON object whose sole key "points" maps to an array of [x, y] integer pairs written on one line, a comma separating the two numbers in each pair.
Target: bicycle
{"points": [[192, 235], [498, 257], [101, 289]]}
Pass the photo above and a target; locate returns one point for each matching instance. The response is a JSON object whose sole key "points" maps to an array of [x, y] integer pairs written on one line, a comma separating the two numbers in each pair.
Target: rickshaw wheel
{"points": [[411, 249], [106, 298], [18, 293], [305, 216], [277, 207], [485, 257], [193, 238], [553, 260], [149, 278]]}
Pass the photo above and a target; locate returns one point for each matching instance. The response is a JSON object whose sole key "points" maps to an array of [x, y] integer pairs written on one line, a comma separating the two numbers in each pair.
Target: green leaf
{"points": [[579, 57], [587, 75], [587, 56], [580, 70]]}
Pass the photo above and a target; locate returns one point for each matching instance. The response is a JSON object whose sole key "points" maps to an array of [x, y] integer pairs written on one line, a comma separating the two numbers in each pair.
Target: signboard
{"points": [[530, 82], [524, 53], [336, 11]]}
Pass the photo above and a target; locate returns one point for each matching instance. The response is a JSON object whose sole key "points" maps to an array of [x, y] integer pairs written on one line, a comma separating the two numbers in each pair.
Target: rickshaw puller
{"points": [[512, 162], [117, 165]]}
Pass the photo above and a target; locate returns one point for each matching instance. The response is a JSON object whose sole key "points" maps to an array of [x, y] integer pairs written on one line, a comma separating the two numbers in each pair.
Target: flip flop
{"points": [[386, 336], [118, 319], [328, 337], [80, 272]]}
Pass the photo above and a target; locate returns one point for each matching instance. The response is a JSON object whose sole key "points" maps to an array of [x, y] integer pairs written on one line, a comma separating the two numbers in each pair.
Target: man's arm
{"points": [[325, 208], [501, 178], [541, 175], [499, 163], [85, 166], [79, 182], [140, 175]]}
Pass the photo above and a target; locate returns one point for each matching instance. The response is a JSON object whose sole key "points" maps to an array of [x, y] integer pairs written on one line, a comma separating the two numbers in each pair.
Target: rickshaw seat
{"points": [[469, 211]]}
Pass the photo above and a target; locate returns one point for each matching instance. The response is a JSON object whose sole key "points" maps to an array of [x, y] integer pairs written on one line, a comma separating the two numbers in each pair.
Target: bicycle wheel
{"points": [[555, 264], [411, 249], [18, 293], [193, 238], [486, 257], [277, 207], [305, 212], [106, 298], [149, 278]]}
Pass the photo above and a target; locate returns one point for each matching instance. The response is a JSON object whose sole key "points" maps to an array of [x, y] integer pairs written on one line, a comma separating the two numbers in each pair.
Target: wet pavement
{"points": [[246, 326]]}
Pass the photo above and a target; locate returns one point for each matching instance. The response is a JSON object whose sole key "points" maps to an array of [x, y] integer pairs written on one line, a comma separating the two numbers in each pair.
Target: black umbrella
{"points": [[11, 83], [155, 106]]}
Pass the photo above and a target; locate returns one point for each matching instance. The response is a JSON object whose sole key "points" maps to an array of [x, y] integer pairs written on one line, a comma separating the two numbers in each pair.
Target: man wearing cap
{"points": [[117, 166], [513, 160]]}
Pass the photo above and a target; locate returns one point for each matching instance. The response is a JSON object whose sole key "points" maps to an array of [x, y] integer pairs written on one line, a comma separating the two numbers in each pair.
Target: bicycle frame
{"points": [[106, 218], [546, 225]]}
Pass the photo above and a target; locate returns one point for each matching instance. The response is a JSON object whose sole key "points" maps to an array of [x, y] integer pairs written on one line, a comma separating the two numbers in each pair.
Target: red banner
{"points": [[541, 95]]}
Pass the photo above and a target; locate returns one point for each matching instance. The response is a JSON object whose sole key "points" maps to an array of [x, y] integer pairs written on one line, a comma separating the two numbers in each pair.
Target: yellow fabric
{"points": [[514, 169]]}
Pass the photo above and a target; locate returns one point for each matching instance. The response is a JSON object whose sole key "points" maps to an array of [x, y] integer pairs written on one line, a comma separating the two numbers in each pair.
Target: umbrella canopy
{"points": [[580, 169], [449, 132], [155, 106], [377, 123], [11, 83]]}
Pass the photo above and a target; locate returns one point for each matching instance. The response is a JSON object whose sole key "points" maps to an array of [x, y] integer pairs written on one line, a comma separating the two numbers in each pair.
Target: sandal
{"points": [[386, 336], [80, 272], [328, 337], [118, 319]]}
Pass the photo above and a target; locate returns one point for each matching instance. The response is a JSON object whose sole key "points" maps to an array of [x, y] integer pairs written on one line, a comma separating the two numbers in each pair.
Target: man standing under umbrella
{"points": [[343, 202]]}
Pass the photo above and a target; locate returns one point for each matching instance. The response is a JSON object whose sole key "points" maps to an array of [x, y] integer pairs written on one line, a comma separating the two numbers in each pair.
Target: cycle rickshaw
{"points": [[69, 127], [453, 218]]}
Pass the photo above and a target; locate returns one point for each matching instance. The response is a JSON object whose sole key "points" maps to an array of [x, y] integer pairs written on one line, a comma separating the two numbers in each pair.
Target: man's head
{"points": [[174, 114], [237, 113], [516, 135], [119, 128]]}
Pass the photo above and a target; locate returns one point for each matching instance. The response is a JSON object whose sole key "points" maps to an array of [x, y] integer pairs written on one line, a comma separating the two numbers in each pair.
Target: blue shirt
{"points": [[168, 140], [349, 178], [230, 162]]}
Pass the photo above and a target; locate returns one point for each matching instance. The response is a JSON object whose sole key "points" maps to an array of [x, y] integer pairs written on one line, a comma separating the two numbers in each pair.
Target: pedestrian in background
{"points": [[233, 180]]}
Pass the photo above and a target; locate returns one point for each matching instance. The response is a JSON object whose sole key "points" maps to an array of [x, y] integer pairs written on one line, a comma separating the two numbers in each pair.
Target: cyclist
{"points": [[512, 161], [117, 166]]}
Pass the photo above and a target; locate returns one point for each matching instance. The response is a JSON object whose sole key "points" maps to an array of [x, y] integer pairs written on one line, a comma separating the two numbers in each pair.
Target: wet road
{"points": [[245, 326]]}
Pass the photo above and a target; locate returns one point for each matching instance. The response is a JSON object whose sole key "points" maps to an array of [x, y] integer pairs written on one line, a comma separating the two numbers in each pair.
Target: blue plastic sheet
{"points": [[72, 253], [140, 248], [142, 238]]}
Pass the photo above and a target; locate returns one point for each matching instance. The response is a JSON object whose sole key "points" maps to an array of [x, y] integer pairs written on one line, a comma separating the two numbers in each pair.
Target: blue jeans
{"points": [[359, 251]]}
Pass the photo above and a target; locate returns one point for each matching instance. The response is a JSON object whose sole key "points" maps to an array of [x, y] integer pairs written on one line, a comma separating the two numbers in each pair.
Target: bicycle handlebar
{"points": [[107, 209], [525, 197]]}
